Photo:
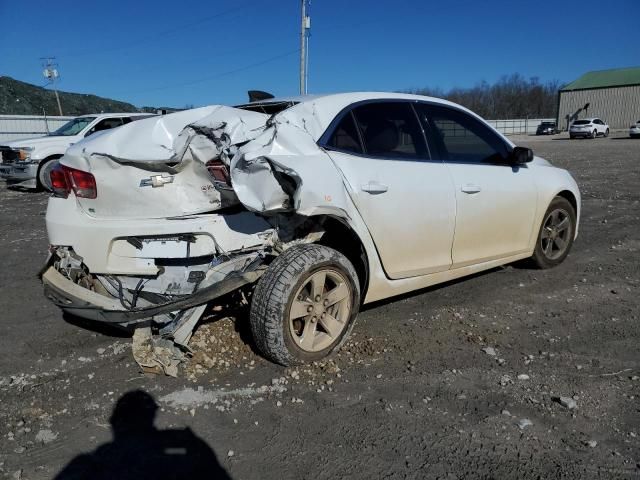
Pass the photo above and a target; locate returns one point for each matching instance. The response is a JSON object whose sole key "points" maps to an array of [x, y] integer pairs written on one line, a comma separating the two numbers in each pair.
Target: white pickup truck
{"points": [[27, 162]]}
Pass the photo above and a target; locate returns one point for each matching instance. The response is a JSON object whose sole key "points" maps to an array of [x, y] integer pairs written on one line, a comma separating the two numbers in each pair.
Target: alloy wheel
{"points": [[556, 232], [320, 310]]}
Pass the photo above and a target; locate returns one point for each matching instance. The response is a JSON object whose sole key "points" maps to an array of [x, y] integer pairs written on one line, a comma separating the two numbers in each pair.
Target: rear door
{"points": [[496, 201], [405, 198]]}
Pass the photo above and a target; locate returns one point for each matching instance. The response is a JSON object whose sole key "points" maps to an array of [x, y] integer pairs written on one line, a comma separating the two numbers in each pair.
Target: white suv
{"points": [[588, 128], [27, 162], [634, 130]]}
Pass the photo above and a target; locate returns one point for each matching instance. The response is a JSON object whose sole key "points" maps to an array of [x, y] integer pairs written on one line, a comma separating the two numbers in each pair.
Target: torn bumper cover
{"points": [[80, 301]]}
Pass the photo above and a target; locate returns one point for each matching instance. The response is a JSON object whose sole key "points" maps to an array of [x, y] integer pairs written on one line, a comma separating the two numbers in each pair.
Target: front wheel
{"points": [[606, 133], [594, 134], [556, 234], [43, 178], [305, 305]]}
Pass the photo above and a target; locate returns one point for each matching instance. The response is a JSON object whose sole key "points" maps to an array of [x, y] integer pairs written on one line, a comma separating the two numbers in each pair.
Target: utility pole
{"points": [[50, 72], [304, 46]]}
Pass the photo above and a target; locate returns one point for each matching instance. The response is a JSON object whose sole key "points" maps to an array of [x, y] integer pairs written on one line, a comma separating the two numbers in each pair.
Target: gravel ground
{"points": [[514, 373]]}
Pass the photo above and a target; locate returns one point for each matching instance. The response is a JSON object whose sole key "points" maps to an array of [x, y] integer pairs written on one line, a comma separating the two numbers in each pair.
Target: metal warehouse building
{"points": [[612, 95]]}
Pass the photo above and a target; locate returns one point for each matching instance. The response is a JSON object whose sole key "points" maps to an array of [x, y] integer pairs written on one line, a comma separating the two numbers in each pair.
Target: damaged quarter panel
{"points": [[156, 167]]}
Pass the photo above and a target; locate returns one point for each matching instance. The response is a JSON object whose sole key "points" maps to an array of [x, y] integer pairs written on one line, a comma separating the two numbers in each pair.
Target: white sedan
{"points": [[310, 206]]}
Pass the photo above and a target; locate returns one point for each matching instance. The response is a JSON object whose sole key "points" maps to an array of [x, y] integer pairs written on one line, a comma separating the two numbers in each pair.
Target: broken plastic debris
{"points": [[155, 356]]}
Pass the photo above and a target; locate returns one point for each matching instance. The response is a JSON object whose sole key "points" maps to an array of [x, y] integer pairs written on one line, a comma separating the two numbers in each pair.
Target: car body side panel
{"points": [[496, 220], [416, 212]]}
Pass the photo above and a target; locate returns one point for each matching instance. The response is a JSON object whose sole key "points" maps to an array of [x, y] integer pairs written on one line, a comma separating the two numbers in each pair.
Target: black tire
{"points": [[276, 291], [606, 134], [572, 137], [544, 257], [42, 167], [594, 134]]}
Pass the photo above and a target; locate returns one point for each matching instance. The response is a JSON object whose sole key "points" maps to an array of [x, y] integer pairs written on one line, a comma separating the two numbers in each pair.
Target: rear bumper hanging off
{"points": [[84, 303]]}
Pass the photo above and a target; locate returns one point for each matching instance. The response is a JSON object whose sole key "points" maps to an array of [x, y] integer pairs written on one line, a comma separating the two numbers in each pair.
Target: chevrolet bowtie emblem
{"points": [[156, 181]]}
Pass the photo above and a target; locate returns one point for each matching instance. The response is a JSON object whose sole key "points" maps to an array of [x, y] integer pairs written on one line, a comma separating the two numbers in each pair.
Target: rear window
{"points": [[582, 122], [268, 108], [548, 124]]}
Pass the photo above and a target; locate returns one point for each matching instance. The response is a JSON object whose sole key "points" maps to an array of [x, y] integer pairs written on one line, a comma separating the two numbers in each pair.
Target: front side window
{"points": [[390, 129], [73, 127], [462, 138]]}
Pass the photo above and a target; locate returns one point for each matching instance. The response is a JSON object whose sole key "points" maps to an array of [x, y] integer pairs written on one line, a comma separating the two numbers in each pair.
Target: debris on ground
{"points": [[567, 402], [524, 423], [155, 355]]}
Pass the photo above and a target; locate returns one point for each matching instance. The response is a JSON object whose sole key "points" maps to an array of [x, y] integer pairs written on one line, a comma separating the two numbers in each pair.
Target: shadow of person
{"points": [[140, 451]]}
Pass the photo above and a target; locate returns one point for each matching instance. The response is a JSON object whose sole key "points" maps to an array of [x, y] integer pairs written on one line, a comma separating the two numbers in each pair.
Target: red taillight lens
{"points": [[59, 183], [83, 183], [64, 179]]}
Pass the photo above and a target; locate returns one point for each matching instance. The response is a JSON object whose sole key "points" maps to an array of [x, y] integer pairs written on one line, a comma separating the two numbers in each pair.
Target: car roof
{"points": [[349, 97], [123, 114]]}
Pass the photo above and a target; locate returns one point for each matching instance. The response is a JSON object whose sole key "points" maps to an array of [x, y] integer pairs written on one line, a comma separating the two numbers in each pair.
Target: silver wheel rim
{"points": [[320, 310], [45, 174], [556, 234]]}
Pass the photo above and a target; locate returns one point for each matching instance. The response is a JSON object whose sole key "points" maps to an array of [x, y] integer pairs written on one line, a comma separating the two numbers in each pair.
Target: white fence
{"points": [[16, 127], [518, 126]]}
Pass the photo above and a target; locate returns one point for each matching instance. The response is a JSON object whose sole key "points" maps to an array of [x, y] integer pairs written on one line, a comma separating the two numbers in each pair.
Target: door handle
{"points": [[374, 188], [468, 188]]}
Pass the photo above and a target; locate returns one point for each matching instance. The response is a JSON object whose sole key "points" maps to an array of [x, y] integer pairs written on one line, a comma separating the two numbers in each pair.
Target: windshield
{"points": [[582, 122], [73, 127]]}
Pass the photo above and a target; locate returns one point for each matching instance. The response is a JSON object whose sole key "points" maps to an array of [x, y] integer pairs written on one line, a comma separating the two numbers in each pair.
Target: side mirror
{"points": [[520, 155]]}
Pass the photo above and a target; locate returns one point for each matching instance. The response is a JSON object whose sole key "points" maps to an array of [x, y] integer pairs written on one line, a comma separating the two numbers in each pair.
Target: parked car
{"points": [[27, 162], [310, 205], [588, 128], [547, 128], [634, 130]]}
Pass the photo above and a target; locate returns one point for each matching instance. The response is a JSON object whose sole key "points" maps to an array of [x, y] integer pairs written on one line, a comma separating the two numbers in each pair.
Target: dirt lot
{"points": [[416, 393]]}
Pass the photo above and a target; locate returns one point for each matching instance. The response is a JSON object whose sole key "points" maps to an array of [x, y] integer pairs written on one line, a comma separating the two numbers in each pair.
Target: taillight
{"points": [[83, 183], [59, 184], [64, 179], [219, 172]]}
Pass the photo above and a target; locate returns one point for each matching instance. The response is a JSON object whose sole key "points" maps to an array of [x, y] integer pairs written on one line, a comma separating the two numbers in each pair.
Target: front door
{"points": [[496, 201]]}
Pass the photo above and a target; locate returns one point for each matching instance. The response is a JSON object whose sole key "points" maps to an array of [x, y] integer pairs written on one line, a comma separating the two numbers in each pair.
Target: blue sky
{"points": [[169, 53]]}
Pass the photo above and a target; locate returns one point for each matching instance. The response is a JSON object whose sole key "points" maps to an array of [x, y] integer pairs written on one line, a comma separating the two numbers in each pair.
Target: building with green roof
{"points": [[612, 95]]}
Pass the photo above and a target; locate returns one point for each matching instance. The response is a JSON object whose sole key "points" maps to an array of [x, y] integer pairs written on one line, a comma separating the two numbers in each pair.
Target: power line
{"points": [[157, 35], [217, 75]]}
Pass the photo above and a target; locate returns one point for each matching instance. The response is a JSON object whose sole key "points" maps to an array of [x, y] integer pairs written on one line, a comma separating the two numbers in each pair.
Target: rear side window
{"points": [[390, 129], [462, 138], [345, 136]]}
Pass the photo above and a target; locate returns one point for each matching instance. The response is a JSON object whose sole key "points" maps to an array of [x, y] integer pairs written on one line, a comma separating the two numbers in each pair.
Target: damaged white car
{"points": [[311, 205]]}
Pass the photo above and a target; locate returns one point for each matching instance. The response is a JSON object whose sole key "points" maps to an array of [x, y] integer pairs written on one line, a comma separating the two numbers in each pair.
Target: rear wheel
{"points": [[305, 305], [606, 134], [556, 234], [43, 179], [594, 134]]}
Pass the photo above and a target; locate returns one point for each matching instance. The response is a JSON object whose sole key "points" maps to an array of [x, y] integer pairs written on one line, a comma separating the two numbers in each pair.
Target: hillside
{"points": [[20, 98]]}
